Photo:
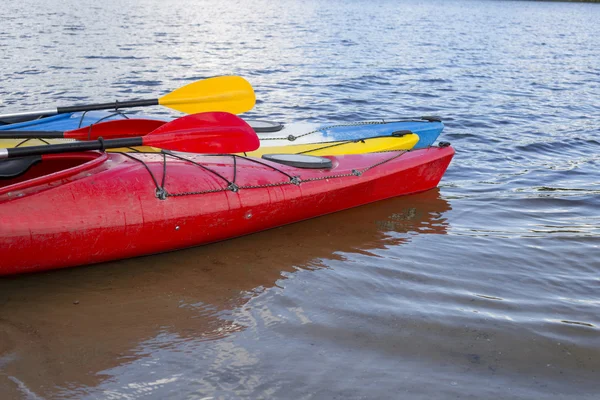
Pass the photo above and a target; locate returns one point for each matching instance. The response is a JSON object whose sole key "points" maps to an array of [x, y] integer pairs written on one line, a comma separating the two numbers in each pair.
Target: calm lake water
{"points": [[485, 288]]}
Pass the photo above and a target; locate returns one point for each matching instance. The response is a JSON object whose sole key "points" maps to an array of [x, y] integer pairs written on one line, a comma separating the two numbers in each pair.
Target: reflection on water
{"points": [[74, 324]]}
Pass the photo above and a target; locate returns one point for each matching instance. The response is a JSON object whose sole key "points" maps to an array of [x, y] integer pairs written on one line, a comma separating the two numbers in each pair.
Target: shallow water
{"points": [[484, 288]]}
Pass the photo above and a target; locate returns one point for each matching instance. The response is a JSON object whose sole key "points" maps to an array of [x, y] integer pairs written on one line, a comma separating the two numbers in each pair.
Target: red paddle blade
{"points": [[120, 128], [210, 132]]}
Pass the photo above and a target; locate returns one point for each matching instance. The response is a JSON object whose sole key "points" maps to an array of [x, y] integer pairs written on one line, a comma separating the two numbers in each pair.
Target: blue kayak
{"points": [[64, 122], [276, 134]]}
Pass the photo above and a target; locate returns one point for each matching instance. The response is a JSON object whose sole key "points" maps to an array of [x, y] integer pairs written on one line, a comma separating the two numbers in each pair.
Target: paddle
{"points": [[108, 130], [232, 94], [213, 132]]}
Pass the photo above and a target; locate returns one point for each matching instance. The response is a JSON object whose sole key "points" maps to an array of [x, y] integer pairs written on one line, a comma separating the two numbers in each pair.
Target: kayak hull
{"points": [[115, 206]]}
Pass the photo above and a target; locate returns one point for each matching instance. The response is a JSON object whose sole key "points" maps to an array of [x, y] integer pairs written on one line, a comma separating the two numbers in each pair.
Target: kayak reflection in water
{"points": [[119, 312]]}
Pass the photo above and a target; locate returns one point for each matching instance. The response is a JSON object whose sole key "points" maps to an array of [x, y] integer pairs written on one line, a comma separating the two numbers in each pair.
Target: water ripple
{"points": [[486, 288]]}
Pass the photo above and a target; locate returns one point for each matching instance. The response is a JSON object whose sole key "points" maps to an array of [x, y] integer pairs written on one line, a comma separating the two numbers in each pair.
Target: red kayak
{"points": [[65, 210]]}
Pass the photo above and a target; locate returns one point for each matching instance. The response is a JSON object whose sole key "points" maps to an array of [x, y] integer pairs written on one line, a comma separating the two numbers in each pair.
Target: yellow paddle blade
{"points": [[232, 94]]}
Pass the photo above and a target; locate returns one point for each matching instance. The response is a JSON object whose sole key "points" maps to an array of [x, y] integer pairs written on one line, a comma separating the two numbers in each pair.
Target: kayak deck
{"points": [[366, 145]]}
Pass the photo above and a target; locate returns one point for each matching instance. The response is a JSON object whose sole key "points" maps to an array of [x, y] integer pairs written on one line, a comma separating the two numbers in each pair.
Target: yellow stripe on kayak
{"points": [[370, 145]]}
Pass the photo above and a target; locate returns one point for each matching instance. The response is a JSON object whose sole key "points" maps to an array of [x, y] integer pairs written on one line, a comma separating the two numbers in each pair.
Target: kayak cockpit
{"points": [[26, 172], [15, 167]]}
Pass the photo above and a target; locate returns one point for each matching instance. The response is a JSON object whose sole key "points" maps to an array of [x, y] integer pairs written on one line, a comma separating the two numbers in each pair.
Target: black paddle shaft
{"points": [[71, 147], [32, 134], [107, 106]]}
